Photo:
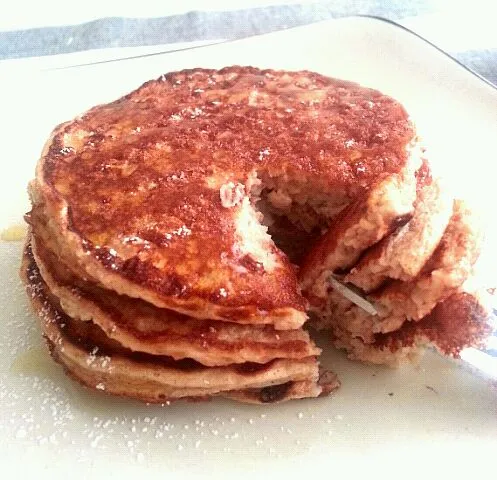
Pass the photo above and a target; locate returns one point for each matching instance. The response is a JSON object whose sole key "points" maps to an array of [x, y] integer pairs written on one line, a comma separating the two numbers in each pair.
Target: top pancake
{"points": [[150, 194]]}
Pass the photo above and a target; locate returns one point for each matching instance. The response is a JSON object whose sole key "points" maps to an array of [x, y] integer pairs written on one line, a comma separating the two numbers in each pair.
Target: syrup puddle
{"points": [[33, 362], [14, 233], [36, 362]]}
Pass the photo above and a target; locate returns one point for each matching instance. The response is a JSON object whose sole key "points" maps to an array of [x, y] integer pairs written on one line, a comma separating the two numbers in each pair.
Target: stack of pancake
{"points": [[179, 234], [127, 347]]}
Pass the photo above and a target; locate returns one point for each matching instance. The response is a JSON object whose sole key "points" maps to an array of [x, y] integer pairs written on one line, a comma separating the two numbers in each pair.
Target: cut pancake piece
{"points": [[152, 195], [460, 321], [403, 254], [447, 269], [102, 364], [144, 328], [363, 223], [400, 302]]}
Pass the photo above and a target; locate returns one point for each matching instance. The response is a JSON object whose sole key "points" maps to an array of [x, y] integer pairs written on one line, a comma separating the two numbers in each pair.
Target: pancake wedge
{"points": [[403, 254], [431, 298], [443, 274], [362, 224], [462, 320]]}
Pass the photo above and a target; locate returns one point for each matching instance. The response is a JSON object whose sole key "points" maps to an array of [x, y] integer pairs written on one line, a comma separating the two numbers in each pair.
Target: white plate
{"points": [[434, 416]]}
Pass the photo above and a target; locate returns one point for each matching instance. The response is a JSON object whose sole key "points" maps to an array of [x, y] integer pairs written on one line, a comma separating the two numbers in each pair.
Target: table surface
{"points": [[30, 29]]}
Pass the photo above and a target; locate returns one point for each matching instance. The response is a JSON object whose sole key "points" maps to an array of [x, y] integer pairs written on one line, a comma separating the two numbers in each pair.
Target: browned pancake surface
{"points": [[458, 322]]}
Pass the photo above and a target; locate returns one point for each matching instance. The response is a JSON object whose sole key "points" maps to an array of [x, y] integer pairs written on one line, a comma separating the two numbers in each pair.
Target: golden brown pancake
{"points": [[101, 363], [141, 327], [403, 254], [443, 274], [383, 338], [458, 322], [360, 225], [153, 195]]}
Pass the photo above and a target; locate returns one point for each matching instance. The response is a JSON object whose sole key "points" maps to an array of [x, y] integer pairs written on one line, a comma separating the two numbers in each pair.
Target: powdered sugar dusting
{"points": [[42, 408]]}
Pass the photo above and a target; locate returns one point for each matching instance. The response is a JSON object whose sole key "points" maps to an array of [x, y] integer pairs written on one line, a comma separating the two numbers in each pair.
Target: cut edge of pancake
{"points": [[403, 254], [407, 309], [360, 225]]}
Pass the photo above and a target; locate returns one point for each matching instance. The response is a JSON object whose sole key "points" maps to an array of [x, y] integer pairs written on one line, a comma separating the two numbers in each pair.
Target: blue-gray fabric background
{"points": [[198, 25]]}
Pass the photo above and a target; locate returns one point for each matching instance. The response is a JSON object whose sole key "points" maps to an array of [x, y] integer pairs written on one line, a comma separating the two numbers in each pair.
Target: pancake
{"points": [[141, 327], [458, 322], [443, 274], [362, 224], [101, 363], [403, 254], [401, 305], [154, 195]]}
